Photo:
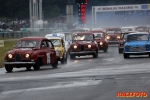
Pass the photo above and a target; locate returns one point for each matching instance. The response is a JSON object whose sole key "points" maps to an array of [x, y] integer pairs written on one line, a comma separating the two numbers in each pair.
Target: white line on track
{"points": [[71, 84]]}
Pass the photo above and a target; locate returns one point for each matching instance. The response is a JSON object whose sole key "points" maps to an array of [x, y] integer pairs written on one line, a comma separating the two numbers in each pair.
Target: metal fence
{"points": [[14, 34]]}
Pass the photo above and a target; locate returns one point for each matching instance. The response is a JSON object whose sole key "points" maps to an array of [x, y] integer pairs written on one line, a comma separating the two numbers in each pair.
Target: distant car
{"points": [[128, 29], [31, 51], [142, 29], [101, 40], [96, 29], [66, 37], [113, 35], [137, 44], [83, 44], [60, 48]]}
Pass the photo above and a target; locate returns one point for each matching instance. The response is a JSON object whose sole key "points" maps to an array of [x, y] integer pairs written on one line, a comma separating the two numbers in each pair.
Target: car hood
{"points": [[22, 51], [137, 43]]}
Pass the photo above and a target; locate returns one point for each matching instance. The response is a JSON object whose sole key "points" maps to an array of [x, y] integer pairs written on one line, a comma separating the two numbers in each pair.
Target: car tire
{"points": [[8, 68], [95, 55], [54, 65], [105, 50], [126, 55], [28, 68], [149, 55], [62, 60], [72, 57], [37, 65], [120, 51]]}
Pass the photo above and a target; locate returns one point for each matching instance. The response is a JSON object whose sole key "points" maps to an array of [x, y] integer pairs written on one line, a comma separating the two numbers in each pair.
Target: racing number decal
{"points": [[48, 58]]}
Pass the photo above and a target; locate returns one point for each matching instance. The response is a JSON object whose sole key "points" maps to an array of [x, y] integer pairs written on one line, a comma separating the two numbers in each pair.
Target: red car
{"points": [[113, 35], [83, 44], [31, 51], [121, 42], [142, 29], [100, 38]]}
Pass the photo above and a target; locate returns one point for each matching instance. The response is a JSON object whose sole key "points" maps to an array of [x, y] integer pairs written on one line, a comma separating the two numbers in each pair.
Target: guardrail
{"points": [[14, 34]]}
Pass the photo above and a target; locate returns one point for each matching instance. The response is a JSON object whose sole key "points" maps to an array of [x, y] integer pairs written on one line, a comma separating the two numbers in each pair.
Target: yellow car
{"points": [[59, 48]]}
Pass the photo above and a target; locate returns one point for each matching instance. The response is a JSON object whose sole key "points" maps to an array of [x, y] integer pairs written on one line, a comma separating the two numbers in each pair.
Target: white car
{"points": [[128, 29], [63, 36]]}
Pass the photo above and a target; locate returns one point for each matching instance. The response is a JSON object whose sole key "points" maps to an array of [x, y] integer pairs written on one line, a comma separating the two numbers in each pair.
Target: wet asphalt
{"points": [[84, 78]]}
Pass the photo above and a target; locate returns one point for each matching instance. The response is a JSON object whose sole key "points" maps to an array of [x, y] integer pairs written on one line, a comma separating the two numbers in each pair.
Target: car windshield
{"points": [[113, 31], [142, 29], [56, 42], [98, 35], [128, 30], [85, 37], [28, 44], [137, 37]]}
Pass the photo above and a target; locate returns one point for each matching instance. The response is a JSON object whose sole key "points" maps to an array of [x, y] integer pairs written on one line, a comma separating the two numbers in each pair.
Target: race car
{"points": [[31, 51], [65, 37], [113, 35], [83, 44], [137, 44], [142, 29], [101, 40], [60, 48]]}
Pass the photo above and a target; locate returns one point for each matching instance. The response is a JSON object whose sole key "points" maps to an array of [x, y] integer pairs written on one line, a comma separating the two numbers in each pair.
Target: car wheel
{"points": [[72, 57], [8, 68], [37, 65], [54, 65], [28, 68], [126, 55], [105, 50], [95, 55], [120, 51]]}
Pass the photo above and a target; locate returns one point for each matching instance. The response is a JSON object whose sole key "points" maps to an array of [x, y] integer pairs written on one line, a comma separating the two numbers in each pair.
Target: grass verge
{"points": [[8, 45]]}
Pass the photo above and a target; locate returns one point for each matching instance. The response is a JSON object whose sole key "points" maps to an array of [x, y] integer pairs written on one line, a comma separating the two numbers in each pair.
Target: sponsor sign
{"points": [[1, 43], [122, 8]]}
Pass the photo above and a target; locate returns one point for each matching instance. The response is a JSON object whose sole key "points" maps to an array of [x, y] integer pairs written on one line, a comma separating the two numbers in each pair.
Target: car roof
{"points": [[142, 26], [82, 33], [54, 38], [33, 38], [138, 33], [113, 28], [96, 31], [128, 27]]}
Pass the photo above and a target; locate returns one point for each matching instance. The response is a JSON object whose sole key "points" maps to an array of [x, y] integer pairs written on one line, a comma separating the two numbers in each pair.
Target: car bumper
{"points": [[143, 52], [113, 42], [83, 53], [17, 63]]}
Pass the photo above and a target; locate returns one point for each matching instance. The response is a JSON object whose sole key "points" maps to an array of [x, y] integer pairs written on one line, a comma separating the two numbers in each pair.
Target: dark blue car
{"points": [[137, 44]]}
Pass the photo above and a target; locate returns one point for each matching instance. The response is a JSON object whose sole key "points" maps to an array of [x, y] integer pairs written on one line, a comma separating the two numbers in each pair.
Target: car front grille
{"points": [[113, 38], [82, 48], [18, 57], [137, 49]]}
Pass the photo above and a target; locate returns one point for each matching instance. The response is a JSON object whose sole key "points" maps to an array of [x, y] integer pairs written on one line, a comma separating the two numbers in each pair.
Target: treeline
{"points": [[53, 8]]}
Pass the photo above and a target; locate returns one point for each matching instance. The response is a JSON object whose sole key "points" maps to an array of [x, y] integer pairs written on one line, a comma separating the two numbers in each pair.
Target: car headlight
{"points": [[89, 46], [27, 55], [101, 43], [57, 53], [75, 47], [118, 37], [9, 55], [108, 37]]}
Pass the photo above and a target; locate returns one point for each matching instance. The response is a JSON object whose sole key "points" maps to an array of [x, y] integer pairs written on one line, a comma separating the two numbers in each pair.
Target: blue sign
{"points": [[144, 6]]}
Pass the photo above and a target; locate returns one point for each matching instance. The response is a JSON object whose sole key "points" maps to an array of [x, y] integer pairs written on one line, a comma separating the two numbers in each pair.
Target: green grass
{"points": [[8, 45]]}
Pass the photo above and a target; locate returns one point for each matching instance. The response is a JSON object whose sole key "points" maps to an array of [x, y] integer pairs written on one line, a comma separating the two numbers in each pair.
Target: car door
{"points": [[46, 55]]}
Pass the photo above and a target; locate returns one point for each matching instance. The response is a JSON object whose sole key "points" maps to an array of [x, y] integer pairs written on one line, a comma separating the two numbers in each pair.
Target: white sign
{"points": [[122, 8], [96, 9], [1, 43]]}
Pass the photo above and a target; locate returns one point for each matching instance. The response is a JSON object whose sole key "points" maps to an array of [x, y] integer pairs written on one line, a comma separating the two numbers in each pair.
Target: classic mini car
{"points": [[31, 51], [66, 37], [83, 44], [113, 35], [142, 29], [101, 40], [60, 48], [137, 44]]}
